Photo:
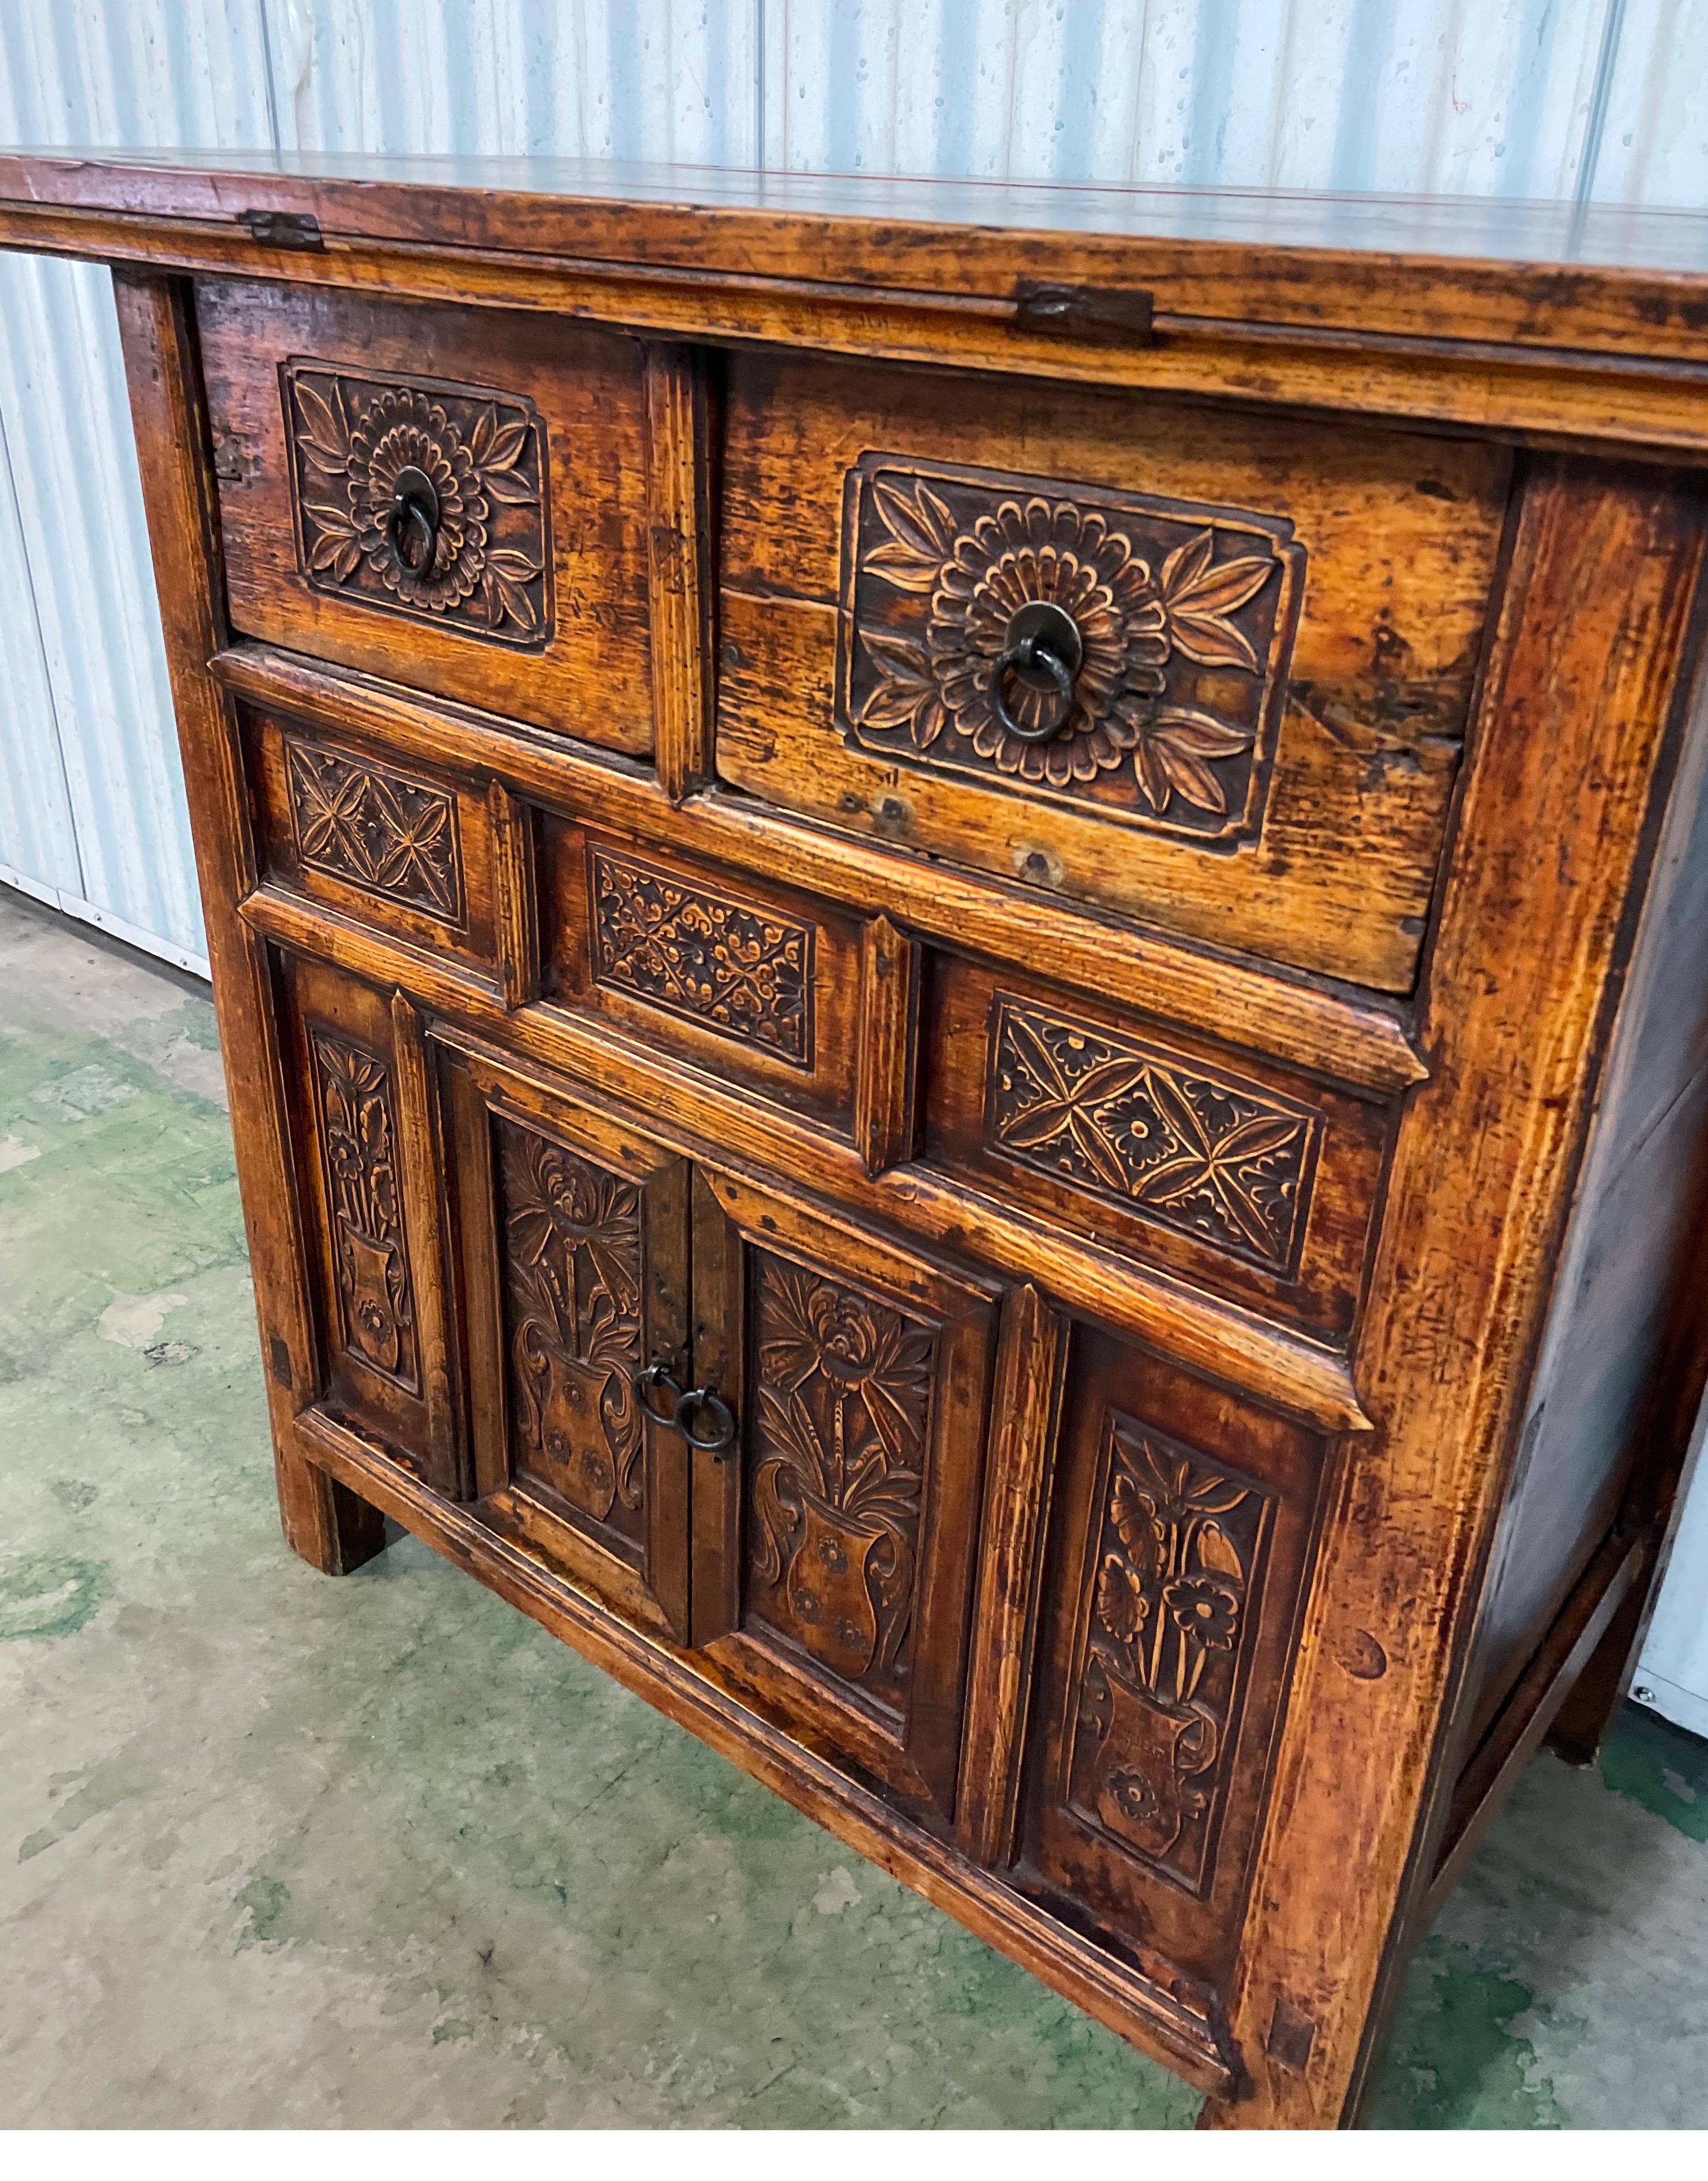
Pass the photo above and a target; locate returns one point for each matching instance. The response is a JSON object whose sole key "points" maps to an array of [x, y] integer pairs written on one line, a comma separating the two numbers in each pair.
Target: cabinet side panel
{"points": [[1631, 1229]]}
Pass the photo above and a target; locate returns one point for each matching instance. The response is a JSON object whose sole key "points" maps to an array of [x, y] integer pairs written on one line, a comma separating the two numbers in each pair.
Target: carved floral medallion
{"points": [[1095, 647], [1208, 1155], [744, 973], [358, 1138], [1178, 1541], [843, 1398], [571, 1250], [421, 497], [376, 829]]}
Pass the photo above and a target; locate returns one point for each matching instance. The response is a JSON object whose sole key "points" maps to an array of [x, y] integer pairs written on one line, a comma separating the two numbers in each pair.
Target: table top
{"points": [[1622, 278]]}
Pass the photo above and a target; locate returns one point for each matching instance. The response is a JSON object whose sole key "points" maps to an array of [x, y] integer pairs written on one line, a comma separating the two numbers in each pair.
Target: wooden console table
{"points": [[960, 940]]}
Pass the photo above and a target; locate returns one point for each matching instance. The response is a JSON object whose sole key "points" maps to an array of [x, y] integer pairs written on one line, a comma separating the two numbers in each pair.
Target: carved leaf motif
{"points": [[1215, 1551], [921, 536], [329, 434], [907, 695], [1199, 595]]}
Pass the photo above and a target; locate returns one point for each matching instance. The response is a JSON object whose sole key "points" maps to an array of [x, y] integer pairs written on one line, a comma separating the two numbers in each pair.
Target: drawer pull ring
{"points": [[1043, 648], [722, 1434], [656, 1376], [412, 523]]}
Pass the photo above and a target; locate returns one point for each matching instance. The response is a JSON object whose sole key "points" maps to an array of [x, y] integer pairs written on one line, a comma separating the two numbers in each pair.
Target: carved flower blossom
{"points": [[1206, 1610], [1132, 620], [352, 456], [401, 430]]}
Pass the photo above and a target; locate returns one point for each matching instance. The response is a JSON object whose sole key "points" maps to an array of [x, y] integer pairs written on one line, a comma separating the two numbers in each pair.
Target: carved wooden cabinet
{"points": [[966, 1018]]}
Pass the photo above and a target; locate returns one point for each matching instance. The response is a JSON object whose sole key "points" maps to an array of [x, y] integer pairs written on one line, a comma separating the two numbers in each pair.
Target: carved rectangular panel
{"points": [[571, 1254], [1222, 1160], [1163, 1654], [842, 1391], [421, 497], [377, 829], [358, 1136], [834, 1550], [744, 973], [1167, 627], [1181, 1529]]}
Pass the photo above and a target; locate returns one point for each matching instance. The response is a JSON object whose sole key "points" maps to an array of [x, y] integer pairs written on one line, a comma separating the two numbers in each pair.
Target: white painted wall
{"points": [[1597, 100]]}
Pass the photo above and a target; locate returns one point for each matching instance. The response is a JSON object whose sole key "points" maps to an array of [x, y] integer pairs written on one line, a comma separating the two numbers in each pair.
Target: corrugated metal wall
{"points": [[1515, 97], [1598, 100]]}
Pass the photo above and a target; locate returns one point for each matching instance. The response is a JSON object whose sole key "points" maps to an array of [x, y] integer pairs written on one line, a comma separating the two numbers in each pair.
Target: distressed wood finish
{"points": [[980, 1050]]}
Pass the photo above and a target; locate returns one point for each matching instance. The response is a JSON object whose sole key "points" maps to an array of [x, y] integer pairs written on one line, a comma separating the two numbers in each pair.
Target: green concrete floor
{"points": [[277, 1851]]}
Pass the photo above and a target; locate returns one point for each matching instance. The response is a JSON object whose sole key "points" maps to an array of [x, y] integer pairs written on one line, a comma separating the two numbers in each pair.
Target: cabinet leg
{"points": [[1581, 1724], [325, 1521]]}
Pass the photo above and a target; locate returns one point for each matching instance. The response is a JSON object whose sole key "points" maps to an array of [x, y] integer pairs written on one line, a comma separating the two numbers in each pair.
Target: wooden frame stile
{"points": [[682, 437], [324, 1520], [1572, 750]]}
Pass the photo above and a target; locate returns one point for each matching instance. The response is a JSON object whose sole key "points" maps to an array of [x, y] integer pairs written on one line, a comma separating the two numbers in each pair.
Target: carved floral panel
{"points": [[1208, 1155], [572, 1268], [744, 973], [357, 440], [376, 829], [359, 1142], [842, 1401], [1182, 617], [1179, 1543]]}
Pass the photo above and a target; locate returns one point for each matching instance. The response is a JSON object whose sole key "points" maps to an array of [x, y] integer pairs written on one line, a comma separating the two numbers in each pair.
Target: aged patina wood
{"points": [[1072, 1254]]}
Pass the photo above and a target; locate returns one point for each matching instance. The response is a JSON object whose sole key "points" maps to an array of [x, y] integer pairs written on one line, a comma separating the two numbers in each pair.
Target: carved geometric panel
{"points": [[1172, 624], [570, 1244], [359, 1140], [1208, 1155], [376, 829], [1157, 1682], [743, 972], [475, 459], [837, 1432]]}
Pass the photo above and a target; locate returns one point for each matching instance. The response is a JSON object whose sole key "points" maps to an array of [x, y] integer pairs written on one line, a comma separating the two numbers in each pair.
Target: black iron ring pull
{"points": [[722, 1434], [647, 1381], [1031, 652], [412, 523]]}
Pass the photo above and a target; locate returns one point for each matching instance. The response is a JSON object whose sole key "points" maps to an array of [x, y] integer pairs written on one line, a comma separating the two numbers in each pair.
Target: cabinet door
{"points": [[1182, 1524], [574, 1250], [366, 1134], [835, 1540]]}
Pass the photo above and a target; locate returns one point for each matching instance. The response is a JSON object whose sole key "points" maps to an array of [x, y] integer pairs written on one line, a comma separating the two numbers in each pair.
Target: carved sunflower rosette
{"points": [[1184, 616], [356, 437]]}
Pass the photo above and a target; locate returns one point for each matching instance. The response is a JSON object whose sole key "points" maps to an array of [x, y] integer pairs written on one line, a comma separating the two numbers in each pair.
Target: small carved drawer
{"points": [[453, 500], [1180, 1547], [755, 982], [1209, 670], [386, 840], [1228, 1170]]}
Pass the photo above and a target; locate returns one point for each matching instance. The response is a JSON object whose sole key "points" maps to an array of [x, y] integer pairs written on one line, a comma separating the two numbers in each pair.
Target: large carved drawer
{"points": [[1240, 649], [453, 500]]}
